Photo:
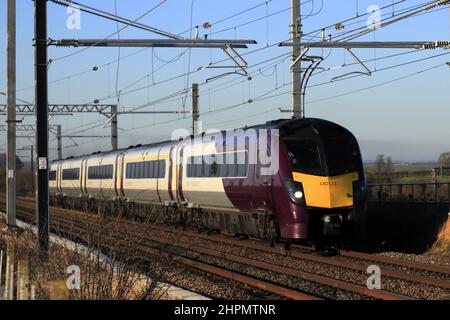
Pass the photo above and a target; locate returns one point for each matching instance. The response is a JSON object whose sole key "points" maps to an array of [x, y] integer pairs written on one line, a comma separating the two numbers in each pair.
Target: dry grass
{"points": [[118, 272], [442, 245]]}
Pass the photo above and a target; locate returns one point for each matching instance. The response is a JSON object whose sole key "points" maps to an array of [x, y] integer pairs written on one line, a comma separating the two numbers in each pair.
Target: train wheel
{"points": [[287, 245], [326, 249], [86, 205]]}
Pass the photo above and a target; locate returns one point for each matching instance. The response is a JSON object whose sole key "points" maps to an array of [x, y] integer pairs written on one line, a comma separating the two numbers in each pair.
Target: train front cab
{"points": [[325, 183]]}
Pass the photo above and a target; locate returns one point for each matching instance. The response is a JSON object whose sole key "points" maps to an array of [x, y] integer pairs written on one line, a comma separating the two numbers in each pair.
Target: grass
{"points": [[409, 167], [421, 179], [440, 248]]}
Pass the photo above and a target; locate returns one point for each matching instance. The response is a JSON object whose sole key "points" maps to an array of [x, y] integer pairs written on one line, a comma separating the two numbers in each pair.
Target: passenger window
{"points": [[132, 171], [231, 170], [206, 167], [141, 170], [145, 170], [151, 169], [198, 165], [138, 170], [162, 169], [52, 175], [242, 164], [71, 174], [231, 164], [189, 167], [214, 167], [222, 170]]}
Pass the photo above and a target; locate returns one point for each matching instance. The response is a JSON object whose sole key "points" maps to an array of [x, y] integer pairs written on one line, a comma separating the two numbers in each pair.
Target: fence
{"points": [[383, 177], [413, 192]]}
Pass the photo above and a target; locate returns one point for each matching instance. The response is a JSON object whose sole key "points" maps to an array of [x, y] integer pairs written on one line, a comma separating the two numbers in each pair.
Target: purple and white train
{"points": [[318, 191]]}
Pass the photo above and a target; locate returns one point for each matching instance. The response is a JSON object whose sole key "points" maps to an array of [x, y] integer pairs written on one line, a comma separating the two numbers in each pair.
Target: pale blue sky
{"points": [[407, 119]]}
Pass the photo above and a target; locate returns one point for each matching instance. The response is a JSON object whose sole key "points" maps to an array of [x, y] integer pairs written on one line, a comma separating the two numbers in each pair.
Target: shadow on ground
{"points": [[406, 226]]}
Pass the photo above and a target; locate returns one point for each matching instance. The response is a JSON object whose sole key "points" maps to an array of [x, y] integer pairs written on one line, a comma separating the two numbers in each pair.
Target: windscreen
{"points": [[305, 156], [342, 156], [328, 157]]}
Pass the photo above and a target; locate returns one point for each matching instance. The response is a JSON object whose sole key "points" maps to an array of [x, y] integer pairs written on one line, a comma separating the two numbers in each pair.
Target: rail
{"points": [[413, 192]]}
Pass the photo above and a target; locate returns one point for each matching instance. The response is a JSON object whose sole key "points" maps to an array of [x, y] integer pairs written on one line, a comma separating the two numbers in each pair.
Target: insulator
{"points": [[66, 43], [61, 3], [439, 3], [442, 44]]}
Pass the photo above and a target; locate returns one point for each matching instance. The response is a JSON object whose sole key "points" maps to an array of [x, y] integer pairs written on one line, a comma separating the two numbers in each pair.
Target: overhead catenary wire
{"points": [[145, 49], [189, 70], [266, 96], [146, 13], [244, 54], [327, 82], [379, 84], [217, 62], [340, 95], [113, 17]]}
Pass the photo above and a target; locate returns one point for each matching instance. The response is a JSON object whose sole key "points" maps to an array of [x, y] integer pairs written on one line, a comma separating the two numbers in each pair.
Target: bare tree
{"points": [[111, 263], [444, 159], [380, 163]]}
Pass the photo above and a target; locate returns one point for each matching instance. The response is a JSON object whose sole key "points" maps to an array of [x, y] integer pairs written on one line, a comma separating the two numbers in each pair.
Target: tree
{"points": [[389, 168], [444, 159], [380, 163], [19, 163]]}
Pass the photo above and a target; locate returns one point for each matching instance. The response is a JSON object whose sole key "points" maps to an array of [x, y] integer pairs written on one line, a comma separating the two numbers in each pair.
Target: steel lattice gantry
{"points": [[64, 108], [108, 110]]}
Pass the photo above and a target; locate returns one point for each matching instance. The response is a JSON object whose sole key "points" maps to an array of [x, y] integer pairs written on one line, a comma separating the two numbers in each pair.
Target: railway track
{"points": [[435, 276], [72, 226]]}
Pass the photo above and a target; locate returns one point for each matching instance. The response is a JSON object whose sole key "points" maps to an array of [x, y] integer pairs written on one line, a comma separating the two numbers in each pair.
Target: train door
{"points": [[172, 181], [263, 180], [101, 180], [119, 175], [160, 174], [180, 194], [84, 174], [58, 178]]}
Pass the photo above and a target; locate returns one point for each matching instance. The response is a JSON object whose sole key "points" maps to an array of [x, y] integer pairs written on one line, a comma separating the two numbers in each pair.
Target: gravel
{"points": [[434, 259], [412, 289]]}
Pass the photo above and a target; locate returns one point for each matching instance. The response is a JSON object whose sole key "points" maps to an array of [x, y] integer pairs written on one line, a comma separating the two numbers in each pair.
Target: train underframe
{"points": [[326, 229], [259, 224]]}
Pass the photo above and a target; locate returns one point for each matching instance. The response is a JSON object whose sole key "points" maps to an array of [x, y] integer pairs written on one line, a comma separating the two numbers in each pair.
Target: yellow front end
{"points": [[327, 192]]}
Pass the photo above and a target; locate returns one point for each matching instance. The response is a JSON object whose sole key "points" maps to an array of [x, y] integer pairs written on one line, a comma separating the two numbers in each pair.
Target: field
{"points": [[406, 173]]}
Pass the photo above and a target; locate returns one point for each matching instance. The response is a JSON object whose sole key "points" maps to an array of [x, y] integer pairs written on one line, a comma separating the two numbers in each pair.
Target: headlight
{"points": [[298, 195], [295, 191]]}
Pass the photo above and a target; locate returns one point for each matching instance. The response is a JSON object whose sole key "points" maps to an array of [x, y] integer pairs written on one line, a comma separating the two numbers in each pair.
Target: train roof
{"points": [[285, 126]]}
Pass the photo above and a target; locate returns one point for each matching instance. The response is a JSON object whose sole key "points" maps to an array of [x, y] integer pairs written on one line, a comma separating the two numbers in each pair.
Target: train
{"points": [[313, 188]]}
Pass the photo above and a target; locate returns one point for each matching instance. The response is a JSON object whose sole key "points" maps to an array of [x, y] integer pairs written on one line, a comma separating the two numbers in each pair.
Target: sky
{"points": [[406, 118]]}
